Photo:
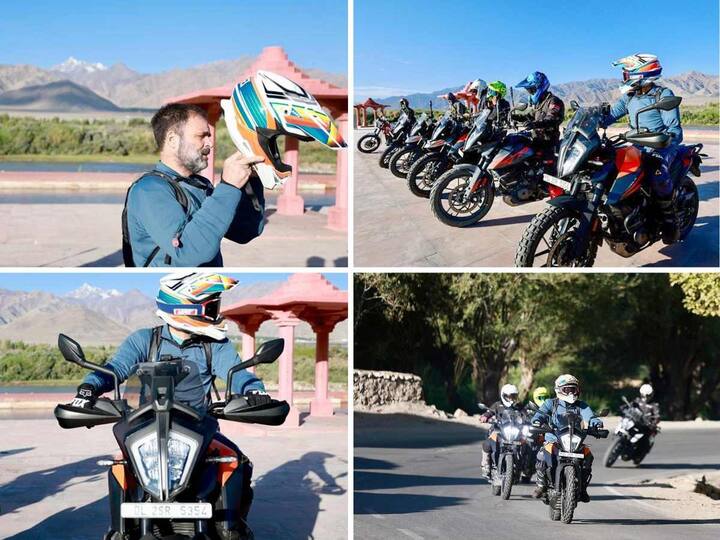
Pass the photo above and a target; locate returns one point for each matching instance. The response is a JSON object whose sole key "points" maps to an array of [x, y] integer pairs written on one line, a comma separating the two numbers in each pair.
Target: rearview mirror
{"points": [[266, 353], [574, 105], [668, 103], [71, 350], [531, 405], [603, 412], [482, 407]]}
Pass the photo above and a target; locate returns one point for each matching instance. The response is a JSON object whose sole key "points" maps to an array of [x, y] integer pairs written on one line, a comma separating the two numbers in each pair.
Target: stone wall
{"points": [[377, 388]]}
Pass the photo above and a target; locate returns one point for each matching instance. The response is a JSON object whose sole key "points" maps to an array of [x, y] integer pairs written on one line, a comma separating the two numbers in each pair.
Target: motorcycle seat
{"points": [[651, 139]]}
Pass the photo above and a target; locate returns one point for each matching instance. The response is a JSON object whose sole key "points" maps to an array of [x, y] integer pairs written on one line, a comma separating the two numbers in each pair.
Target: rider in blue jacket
{"points": [[567, 390], [640, 71]]}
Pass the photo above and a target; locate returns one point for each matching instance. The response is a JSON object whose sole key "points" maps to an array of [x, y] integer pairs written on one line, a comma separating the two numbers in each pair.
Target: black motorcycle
{"points": [[609, 195], [513, 459], [440, 152], [399, 133], [566, 478], [505, 162], [635, 436], [370, 142], [402, 160], [174, 479]]}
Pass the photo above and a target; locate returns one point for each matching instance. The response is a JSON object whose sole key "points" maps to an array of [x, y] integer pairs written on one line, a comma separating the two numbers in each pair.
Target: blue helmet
{"points": [[536, 85]]}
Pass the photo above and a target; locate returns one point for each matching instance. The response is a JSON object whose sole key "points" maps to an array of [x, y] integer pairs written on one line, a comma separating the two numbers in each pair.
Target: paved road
{"points": [[52, 488], [421, 479], [395, 228]]}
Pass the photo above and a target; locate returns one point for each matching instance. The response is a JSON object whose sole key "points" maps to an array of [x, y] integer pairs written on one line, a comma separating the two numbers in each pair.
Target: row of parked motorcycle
{"points": [[518, 443], [597, 187]]}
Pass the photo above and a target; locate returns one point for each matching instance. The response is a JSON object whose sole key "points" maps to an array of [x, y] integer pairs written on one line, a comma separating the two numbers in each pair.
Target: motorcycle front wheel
{"points": [[367, 144], [452, 205], [424, 172], [385, 157], [550, 240], [568, 497], [509, 473], [612, 453], [402, 160], [688, 204]]}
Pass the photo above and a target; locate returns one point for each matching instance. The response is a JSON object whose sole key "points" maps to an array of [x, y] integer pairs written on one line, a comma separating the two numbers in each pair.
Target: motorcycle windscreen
{"points": [[441, 128], [478, 131]]}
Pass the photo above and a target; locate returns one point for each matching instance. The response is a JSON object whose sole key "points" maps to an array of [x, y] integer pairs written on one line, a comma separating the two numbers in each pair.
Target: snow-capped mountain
{"points": [[90, 291], [73, 65]]}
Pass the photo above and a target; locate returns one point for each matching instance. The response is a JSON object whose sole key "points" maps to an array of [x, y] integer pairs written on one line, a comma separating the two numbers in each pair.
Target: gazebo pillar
{"points": [[289, 202], [338, 214], [248, 329], [321, 404], [286, 321]]}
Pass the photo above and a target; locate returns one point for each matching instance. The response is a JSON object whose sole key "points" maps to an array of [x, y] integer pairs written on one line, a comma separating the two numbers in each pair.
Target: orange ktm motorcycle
{"points": [[608, 193], [176, 476]]}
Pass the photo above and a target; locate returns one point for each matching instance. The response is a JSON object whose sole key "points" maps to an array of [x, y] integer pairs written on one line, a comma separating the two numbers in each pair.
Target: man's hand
{"points": [[237, 169], [85, 397], [257, 397]]}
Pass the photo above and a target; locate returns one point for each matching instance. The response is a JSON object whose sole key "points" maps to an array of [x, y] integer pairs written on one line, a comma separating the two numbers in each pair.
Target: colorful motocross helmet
{"points": [[190, 301], [540, 395], [497, 88], [638, 69], [268, 105], [536, 85]]}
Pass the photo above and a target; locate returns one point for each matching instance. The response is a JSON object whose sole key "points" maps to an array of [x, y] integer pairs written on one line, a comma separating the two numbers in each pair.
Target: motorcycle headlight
{"points": [[627, 423], [568, 444], [572, 158], [510, 433], [181, 451]]}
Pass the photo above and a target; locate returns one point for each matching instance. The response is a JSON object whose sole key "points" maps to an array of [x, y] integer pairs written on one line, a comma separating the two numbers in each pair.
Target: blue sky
{"points": [[407, 46], [153, 35], [61, 283]]}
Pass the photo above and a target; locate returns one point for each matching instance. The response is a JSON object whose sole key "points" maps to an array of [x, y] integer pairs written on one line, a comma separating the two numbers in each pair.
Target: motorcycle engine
{"points": [[520, 186], [626, 228]]}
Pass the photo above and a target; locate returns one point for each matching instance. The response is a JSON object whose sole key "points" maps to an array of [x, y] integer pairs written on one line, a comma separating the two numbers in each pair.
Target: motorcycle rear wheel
{"points": [[494, 487], [689, 211], [460, 213], [568, 496], [424, 173], [367, 144], [507, 481], [612, 453], [402, 160], [560, 223]]}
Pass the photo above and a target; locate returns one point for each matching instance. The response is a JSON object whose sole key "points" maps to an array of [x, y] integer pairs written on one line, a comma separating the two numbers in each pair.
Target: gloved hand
{"points": [[596, 423], [86, 396], [257, 397], [536, 423]]}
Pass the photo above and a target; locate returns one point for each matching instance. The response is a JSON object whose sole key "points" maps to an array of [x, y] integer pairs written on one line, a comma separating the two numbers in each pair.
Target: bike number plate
{"points": [[166, 510], [564, 184], [571, 454]]}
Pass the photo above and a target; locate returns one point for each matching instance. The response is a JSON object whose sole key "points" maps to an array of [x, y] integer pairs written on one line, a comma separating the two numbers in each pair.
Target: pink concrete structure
{"points": [[304, 297], [361, 111], [333, 98]]}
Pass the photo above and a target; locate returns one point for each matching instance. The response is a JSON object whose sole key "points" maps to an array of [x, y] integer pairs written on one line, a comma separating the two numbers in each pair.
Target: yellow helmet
{"points": [[540, 395]]}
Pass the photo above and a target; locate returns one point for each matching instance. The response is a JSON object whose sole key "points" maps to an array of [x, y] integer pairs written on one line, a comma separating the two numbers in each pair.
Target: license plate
{"points": [[570, 454], [166, 510], [564, 184]]}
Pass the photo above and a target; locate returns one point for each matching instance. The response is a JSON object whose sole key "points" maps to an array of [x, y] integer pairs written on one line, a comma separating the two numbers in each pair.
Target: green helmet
{"points": [[497, 88], [540, 395]]}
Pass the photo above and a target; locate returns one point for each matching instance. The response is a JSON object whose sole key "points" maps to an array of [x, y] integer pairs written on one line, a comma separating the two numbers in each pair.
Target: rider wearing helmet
{"points": [[567, 392], [545, 114], [405, 108], [540, 395], [496, 101], [479, 89], [194, 331], [649, 408], [508, 400], [639, 89]]}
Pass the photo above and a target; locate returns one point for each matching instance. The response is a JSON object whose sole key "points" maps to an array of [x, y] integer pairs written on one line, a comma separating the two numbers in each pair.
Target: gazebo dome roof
{"points": [[371, 103]]}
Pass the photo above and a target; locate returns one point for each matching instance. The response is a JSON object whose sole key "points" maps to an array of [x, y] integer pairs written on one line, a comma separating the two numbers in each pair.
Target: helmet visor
{"points": [[511, 397], [568, 389]]}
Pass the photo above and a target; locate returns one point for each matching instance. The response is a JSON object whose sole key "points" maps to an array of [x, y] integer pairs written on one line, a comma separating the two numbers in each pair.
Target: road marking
{"points": [[373, 514], [629, 497], [411, 534]]}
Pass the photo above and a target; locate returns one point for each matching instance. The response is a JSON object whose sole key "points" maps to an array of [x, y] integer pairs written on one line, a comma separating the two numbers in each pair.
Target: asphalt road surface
{"points": [[393, 227], [418, 478]]}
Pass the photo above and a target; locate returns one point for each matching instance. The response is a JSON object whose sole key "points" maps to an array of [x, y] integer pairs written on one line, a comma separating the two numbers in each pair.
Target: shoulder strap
{"points": [[154, 344], [207, 346], [181, 198]]}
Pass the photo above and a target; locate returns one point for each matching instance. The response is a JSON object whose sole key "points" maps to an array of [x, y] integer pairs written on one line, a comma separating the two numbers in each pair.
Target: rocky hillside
{"points": [[63, 96]]}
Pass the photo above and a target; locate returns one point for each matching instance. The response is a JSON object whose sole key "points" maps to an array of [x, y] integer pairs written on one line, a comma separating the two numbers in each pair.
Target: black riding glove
{"points": [[86, 396], [257, 397]]}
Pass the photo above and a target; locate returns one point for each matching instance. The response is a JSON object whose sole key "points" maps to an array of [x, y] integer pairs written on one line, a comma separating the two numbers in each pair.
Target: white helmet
{"points": [[268, 105], [509, 394], [190, 301], [567, 388], [478, 85], [646, 391]]}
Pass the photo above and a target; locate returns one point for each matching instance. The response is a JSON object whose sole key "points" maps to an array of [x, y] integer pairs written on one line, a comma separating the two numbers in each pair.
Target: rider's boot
{"points": [[540, 480], [670, 227], [584, 497]]}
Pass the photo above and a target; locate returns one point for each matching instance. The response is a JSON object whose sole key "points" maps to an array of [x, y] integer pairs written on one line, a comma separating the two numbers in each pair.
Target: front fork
{"points": [[587, 217]]}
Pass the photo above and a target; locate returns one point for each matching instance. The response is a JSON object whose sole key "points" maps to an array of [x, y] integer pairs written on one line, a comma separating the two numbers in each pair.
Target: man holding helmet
{"points": [[567, 392]]}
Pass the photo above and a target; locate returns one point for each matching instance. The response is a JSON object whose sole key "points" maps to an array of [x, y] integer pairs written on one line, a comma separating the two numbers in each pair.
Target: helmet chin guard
{"points": [[268, 105]]}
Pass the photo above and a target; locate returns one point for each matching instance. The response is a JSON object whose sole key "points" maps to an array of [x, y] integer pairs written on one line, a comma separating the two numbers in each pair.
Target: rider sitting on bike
{"points": [[478, 88], [567, 390], [405, 108], [508, 400], [458, 110], [649, 409], [640, 71], [496, 102], [544, 116]]}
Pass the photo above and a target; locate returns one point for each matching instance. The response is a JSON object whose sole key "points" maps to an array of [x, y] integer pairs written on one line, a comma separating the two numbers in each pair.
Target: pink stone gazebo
{"points": [[335, 99], [361, 111], [305, 297]]}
